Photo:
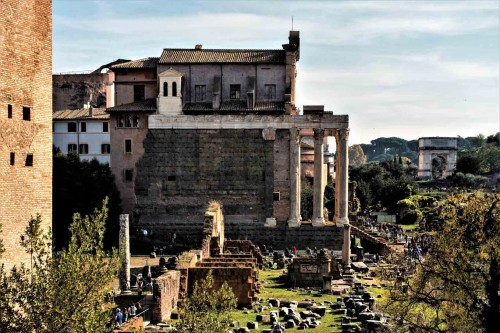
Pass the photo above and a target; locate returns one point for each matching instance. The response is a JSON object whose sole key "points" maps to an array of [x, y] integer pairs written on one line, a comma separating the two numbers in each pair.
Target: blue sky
{"points": [[397, 68]]}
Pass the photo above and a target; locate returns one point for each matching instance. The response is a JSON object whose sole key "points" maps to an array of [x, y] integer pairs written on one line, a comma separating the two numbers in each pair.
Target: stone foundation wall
{"points": [[238, 278], [165, 293], [309, 271]]}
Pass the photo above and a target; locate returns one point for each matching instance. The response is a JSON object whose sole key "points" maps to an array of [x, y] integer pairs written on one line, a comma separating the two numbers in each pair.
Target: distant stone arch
{"points": [[430, 148]]}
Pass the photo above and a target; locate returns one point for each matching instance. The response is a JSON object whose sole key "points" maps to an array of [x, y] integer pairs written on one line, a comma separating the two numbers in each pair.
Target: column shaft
{"points": [[294, 216], [346, 247], [124, 246], [318, 219], [341, 177]]}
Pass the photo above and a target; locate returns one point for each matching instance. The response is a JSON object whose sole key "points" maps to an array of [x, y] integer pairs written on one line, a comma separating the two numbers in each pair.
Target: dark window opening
{"points": [[171, 178], [9, 111], [72, 148], [83, 127], [276, 196], [71, 127], [128, 146], [235, 91], [165, 88], [174, 88], [139, 93], [270, 92], [12, 158], [105, 127], [29, 160], [105, 148], [128, 174], [26, 113], [200, 93], [84, 148]]}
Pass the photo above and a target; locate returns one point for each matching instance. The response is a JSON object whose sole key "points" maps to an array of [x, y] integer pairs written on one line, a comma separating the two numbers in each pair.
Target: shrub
{"points": [[411, 217]]}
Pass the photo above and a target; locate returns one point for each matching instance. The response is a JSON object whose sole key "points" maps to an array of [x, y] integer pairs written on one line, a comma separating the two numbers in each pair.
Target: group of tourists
{"points": [[120, 317]]}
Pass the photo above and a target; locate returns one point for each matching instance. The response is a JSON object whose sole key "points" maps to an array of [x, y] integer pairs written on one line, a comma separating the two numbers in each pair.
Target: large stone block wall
{"points": [[182, 170], [166, 295], [25, 80]]}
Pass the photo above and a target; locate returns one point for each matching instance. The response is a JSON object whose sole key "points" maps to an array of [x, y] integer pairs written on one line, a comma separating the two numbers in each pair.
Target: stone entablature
{"points": [[325, 121]]}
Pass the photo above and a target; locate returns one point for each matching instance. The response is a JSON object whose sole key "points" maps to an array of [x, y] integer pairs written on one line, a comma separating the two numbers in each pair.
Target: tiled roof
{"points": [[97, 113], [235, 106], [190, 56], [149, 62], [148, 105]]}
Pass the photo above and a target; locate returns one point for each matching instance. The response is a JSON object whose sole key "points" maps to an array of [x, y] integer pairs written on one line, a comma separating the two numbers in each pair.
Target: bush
{"points": [[411, 217]]}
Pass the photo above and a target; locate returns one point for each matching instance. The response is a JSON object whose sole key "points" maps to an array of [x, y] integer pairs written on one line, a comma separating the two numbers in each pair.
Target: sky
{"points": [[407, 69]]}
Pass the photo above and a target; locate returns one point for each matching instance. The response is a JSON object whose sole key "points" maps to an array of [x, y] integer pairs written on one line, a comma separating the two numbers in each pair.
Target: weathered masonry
{"points": [[25, 121], [196, 125]]}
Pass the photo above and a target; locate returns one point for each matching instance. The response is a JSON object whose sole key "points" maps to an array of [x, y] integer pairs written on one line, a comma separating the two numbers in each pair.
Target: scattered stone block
{"points": [[252, 325]]}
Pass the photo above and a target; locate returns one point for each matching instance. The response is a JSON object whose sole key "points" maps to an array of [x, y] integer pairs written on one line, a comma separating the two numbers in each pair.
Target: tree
{"points": [[468, 164], [356, 155], [455, 288], [79, 186], [63, 291], [207, 310]]}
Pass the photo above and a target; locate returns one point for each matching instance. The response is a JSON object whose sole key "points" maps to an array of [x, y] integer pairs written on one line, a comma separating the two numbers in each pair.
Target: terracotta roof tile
{"points": [[148, 105], [179, 56], [149, 62], [97, 113]]}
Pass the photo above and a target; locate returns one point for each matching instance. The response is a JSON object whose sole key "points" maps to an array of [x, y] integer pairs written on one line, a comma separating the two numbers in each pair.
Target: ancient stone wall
{"points": [[238, 278], [182, 170], [165, 294], [25, 144], [72, 91], [309, 271]]}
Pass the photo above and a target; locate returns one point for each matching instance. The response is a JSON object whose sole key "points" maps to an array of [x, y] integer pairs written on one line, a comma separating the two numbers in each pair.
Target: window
{"points": [[174, 88], [9, 111], [276, 196], [105, 127], [105, 148], [71, 127], [270, 92], [139, 94], [128, 175], [234, 91], [29, 160], [72, 148], [12, 158], [199, 93], [84, 148], [128, 146], [171, 178], [83, 127], [165, 88], [26, 113], [127, 121]]}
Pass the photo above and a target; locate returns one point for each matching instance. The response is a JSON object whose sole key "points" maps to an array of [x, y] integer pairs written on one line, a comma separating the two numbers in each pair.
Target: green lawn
{"points": [[274, 287]]}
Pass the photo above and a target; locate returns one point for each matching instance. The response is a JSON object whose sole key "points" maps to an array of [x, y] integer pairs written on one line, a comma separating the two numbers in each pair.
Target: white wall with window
{"points": [[88, 137]]}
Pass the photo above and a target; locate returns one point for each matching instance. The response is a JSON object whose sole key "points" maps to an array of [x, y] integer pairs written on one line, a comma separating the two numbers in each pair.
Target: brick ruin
{"points": [[25, 121]]}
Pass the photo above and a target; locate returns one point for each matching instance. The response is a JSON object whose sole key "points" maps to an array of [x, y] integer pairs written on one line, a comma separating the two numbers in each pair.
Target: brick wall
{"points": [[165, 294], [25, 80]]}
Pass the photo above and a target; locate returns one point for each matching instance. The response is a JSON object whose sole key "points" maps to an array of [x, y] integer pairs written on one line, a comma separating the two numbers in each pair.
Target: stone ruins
{"points": [[440, 147]]}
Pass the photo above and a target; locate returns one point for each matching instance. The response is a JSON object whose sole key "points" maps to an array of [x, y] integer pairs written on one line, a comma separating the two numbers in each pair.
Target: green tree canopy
{"points": [[456, 287], [80, 186], [63, 291]]}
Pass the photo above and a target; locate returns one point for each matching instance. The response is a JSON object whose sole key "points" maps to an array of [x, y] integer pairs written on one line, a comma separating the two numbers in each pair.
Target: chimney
{"points": [[91, 113], [198, 47]]}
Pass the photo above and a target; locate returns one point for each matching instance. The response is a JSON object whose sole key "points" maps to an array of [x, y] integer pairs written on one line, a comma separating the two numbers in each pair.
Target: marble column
{"points": [[269, 136], [124, 246], [294, 216], [318, 219], [341, 177]]}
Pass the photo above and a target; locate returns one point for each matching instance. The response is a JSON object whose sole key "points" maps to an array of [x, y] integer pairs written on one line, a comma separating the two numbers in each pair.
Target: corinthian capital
{"points": [[319, 134], [342, 134]]}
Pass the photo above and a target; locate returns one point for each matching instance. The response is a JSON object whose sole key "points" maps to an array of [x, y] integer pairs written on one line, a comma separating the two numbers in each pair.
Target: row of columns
{"points": [[341, 183]]}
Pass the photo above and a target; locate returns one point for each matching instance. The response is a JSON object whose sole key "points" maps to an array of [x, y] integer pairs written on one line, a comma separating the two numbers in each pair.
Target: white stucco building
{"points": [[84, 132]]}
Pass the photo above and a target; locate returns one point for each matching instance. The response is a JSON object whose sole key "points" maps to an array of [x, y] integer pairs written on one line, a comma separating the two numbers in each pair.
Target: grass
{"points": [[273, 286], [409, 227]]}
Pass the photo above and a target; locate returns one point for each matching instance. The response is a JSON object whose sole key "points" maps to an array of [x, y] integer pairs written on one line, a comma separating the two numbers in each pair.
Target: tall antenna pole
{"points": [[292, 22]]}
